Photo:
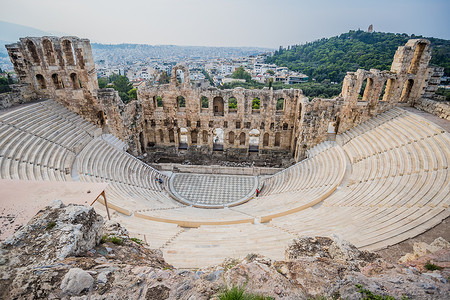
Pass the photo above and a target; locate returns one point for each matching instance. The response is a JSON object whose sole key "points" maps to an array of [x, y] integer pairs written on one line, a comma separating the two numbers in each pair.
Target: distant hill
{"points": [[331, 58], [10, 32]]}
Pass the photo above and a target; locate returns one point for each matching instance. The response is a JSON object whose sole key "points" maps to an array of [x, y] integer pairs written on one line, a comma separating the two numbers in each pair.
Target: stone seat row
{"points": [[103, 161], [13, 169]]}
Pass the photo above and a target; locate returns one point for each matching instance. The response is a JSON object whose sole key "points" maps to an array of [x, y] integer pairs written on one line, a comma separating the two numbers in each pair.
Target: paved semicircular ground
{"points": [[211, 190]]}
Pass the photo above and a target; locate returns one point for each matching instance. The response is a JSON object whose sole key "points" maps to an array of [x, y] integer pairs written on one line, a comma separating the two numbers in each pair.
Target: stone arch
{"points": [[218, 139], [256, 104], [218, 106], [415, 62], [171, 136], [41, 81], [57, 81], [205, 137], [253, 140], [181, 102], [366, 89], [161, 135], [33, 52], [183, 138], [194, 136], [75, 81], [406, 92], [48, 52], [266, 140], [231, 138], [277, 139], [68, 53], [280, 104], [242, 139], [141, 141], [389, 90], [185, 78], [232, 105], [383, 90], [204, 102]]}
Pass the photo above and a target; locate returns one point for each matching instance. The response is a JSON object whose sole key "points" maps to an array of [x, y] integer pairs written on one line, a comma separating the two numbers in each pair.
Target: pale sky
{"points": [[264, 23]]}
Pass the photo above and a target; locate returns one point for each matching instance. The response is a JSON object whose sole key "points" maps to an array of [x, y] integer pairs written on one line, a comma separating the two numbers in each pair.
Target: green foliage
{"points": [[159, 102], [246, 85], [4, 85], [113, 239], [132, 94], [137, 241], [369, 295], [432, 267], [211, 82], [181, 101], [331, 58], [205, 102], [50, 225], [232, 103], [103, 82], [280, 104], [238, 293], [240, 73], [271, 72], [164, 78], [444, 92], [256, 102], [104, 239]]}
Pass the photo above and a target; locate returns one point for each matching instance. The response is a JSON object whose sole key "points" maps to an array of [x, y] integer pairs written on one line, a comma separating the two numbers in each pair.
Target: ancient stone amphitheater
{"points": [[377, 177]]}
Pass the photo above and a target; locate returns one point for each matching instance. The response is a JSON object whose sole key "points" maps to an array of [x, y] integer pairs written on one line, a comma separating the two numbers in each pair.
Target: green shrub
{"points": [[137, 241], [369, 295], [115, 240], [238, 293], [432, 267], [50, 225]]}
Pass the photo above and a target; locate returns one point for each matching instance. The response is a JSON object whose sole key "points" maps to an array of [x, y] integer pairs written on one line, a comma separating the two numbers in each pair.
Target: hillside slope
{"points": [[331, 58]]}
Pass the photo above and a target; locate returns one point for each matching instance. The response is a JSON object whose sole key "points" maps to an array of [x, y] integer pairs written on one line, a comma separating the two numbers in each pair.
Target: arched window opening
{"points": [[415, 63], [253, 141], [161, 135], [218, 106], [280, 104], [57, 82], [231, 138], [41, 81], [75, 81], [159, 101], [256, 104], [205, 137], [142, 142], [204, 102], [48, 51], [68, 53], [406, 92], [181, 102], [262, 126], [232, 105], [277, 139], [180, 76], [242, 139], [389, 90], [383, 91], [171, 136], [33, 52], [194, 137], [266, 140], [299, 111], [366, 87], [218, 139]]}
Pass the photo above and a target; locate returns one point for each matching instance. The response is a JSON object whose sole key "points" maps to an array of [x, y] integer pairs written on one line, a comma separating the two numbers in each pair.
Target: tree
{"points": [[256, 103], [164, 78], [4, 85], [132, 94], [271, 72], [240, 73], [103, 82], [205, 101]]}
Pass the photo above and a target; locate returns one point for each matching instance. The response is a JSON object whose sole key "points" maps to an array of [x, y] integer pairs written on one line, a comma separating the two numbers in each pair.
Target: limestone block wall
{"points": [[438, 108], [20, 93]]}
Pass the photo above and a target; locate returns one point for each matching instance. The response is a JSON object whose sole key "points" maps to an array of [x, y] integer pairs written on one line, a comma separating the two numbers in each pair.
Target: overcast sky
{"points": [[265, 23]]}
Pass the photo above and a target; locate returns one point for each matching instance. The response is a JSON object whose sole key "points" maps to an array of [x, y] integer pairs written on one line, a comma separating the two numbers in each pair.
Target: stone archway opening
{"points": [[218, 106], [218, 139], [183, 138], [406, 92], [253, 141]]}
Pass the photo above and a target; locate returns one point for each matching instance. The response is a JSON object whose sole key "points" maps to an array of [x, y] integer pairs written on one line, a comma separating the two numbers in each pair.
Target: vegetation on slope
{"points": [[331, 58]]}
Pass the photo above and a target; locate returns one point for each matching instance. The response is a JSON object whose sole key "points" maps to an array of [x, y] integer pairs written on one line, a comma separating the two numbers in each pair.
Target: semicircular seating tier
{"points": [[382, 182]]}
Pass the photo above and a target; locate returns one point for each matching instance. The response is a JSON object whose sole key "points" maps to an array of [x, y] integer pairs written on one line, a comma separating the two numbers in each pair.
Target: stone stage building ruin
{"points": [[179, 120]]}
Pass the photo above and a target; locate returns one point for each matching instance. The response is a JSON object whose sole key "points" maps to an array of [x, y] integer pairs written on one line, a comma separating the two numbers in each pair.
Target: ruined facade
{"points": [[178, 118]]}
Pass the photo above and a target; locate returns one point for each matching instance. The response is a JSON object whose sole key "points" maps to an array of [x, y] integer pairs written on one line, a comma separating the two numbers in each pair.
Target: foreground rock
{"points": [[68, 252]]}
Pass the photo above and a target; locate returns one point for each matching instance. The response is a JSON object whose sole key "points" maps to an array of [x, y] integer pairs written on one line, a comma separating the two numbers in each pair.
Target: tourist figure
{"points": [[257, 192]]}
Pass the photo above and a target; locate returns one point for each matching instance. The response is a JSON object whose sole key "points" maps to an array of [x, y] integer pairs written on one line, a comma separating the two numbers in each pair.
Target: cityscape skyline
{"points": [[226, 24]]}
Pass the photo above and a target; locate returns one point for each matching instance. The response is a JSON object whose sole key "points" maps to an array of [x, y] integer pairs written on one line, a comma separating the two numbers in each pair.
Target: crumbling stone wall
{"points": [[20, 93], [438, 108], [171, 120]]}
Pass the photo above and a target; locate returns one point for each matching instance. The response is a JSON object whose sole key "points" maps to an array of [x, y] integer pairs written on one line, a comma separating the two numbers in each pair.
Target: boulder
{"points": [[75, 281]]}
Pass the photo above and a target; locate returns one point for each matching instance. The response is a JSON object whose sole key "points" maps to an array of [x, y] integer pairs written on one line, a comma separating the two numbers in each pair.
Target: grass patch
{"points": [[50, 225], [431, 267], [137, 241], [113, 239], [369, 295], [238, 293]]}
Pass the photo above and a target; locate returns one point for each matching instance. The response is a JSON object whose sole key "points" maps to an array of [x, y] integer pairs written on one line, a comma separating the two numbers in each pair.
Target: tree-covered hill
{"points": [[331, 58]]}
